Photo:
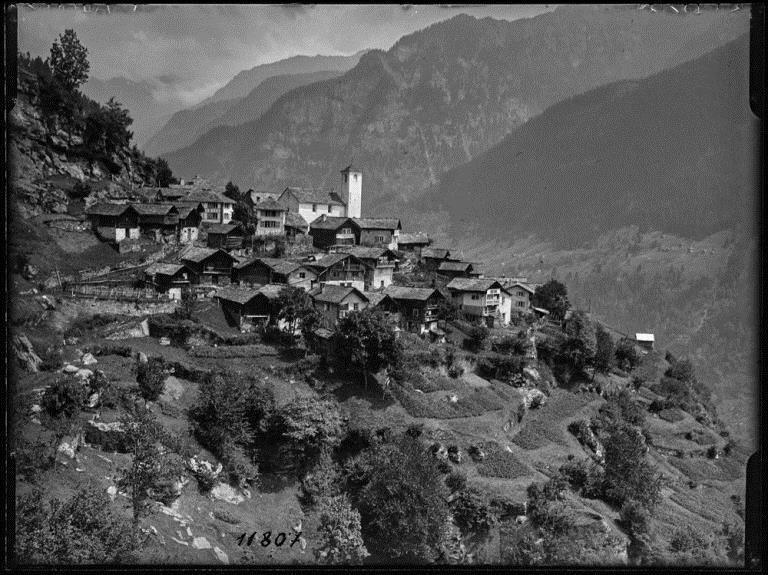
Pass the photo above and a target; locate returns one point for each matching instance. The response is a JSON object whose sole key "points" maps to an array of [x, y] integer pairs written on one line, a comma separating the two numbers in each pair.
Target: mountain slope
{"points": [[444, 95], [189, 124], [673, 152]]}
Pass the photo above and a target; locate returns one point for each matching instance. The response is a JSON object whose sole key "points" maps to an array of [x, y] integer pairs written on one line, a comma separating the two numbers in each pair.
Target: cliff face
{"points": [[48, 157]]}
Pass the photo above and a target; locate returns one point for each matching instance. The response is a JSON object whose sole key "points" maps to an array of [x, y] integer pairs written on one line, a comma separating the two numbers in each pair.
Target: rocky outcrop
{"points": [[25, 353], [107, 436]]}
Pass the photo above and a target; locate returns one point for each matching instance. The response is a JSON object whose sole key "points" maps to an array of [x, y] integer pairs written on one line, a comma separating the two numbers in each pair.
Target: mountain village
{"points": [[312, 238]]}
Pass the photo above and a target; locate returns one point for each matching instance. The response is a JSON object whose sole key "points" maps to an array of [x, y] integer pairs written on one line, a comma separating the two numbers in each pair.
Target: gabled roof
{"points": [[238, 294], [153, 209], [378, 223], [375, 297], [224, 228], [275, 264], [165, 269], [410, 293], [296, 220], [107, 209], [325, 222], [454, 266], [197, 255], [263, 194], [329, 260], [337, 294], [644, 337], [171, 192], [315, 195], [473, 284], [437, 253], [269, 204], [271, 291], [186, 208], [364, 252], [416, 238], [209, 196]]}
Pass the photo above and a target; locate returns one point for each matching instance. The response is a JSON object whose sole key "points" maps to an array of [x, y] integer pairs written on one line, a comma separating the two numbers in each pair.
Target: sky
{"points": [[187, 52]]}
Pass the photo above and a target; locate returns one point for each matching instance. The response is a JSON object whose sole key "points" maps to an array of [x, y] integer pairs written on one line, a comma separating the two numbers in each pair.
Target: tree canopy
{"points": [[552, 296], [69, 60]]}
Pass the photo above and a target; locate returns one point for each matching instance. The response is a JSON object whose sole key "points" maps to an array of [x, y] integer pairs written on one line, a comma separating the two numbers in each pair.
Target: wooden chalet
{"points": [[339, 269], [169, 278], [254, 306], [270, 217], [253, 197], [171, 195], [327, 231], [114, 222], [417, 306], [274, 271], [481, 299], [432, 257], [157, 220], [380, 264], [333, 302], [190, 220], [295, 226], [209, 266], [452, 270], [413, 242], [378, 232], [226, 236]]}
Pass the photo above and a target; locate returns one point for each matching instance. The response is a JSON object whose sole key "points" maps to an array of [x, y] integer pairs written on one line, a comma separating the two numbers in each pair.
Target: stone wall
{"points": [[87, 306]]}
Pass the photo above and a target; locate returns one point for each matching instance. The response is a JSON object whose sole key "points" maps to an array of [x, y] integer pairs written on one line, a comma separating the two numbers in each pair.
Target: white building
{"points": [[311, 203], [481, 299], [218, 207], [352, 191]]}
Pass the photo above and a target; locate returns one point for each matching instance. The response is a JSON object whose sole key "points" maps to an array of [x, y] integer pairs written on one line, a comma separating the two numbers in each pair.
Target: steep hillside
{"points": [[138, 97], [187, 125], [674, 152], [444, 95]]}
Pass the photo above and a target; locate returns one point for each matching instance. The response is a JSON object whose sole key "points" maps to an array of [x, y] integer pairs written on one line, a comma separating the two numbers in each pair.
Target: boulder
{"points": [[532, 373], [201, 543], [29, 272], [107, 436], [69, 445], [36, 408], [165, 341], [88, 359], [93, 400], [534, 398], [225, 492], [112, 492], [69, 368], [172, 390], [142, 357], [84, 374], [221, 556], [25, 353]]}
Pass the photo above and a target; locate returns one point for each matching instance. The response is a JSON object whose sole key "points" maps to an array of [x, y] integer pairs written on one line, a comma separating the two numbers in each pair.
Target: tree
{"points": [[552, 296], [164, 174], [477, 336], [308, 425], [69, 60], [78, 530], [366, 340], [294, 304], [472, 512], [604, 355], [626, 354], [151, 378], [627, 473], [401, 498], [340, 533], [152, 467], [581, 344]]}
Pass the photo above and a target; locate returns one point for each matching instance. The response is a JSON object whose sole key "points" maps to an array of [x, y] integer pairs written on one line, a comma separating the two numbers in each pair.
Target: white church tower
{"points": [[352, 190]]}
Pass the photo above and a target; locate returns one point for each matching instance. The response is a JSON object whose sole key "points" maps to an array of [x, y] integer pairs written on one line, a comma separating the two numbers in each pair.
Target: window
{"points": [[329, 208], [415, 313], [356, 306], [314, 207], [379, 238], [346, 230], [520, 293], [212, 206], [211, 215], [381, 283], [355, 177], [475, 296], [302, 275], [346, 178], [520, 304]]}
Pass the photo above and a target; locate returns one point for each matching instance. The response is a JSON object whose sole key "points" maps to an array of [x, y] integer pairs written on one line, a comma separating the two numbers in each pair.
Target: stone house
{"points": [[380, 264], [481, 299], [339, 269], [274, 271], [114, 222], [329, 231], [311, 203], [382, 232], [333, 302], [270, 218], [218, 207], [169, 278], [209, 266], [417, 306]]}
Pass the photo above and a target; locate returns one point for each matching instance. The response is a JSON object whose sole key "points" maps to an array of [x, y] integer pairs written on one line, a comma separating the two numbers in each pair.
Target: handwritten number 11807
{"points": [[266, 539]]}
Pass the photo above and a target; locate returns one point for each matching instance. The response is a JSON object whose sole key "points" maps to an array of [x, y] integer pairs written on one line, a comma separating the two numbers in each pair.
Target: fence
{"points": [[114, 292]]}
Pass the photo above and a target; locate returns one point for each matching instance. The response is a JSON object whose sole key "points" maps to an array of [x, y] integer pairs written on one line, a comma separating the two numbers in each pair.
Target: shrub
{"points": [[472, 512], [81, 529], [340, 533], [546, 507], [477, 336], [240, 466], [52, 359], [635, 518], [627, 357], [627, 474], [64, 398], [323, 481], [456, 481], [497, 366], [499, 462], [151, 378]]}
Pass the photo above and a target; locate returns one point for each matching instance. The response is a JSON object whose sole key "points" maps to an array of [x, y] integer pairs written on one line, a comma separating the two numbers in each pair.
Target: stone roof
{"points": [[253, 194], [377, 223], [454, 266], [275, 264], [153, 209], [172, 192], [106, 209], [410, 293], [195, 254], [270, 204], [238, 294], [296, 220], [209, 196], [376, 297], [315, 195], [472, 284], [336, 294], [165, 269], [437, 253], [326, 222], [186, 208], [364, 252], [328, 260], [223, 228], [417, 238]]}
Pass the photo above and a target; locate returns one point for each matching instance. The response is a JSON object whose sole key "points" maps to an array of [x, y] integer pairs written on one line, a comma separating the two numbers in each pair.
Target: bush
{"points": [[456, 481], [472, 512], [64, 398], [499, 462], [547, 509], [52, 359], [240, 466], [340, 533], [323, 481], [477, 336], [634, 518], [502, 367], [627, 357], [82, 529], [151, 378]]}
